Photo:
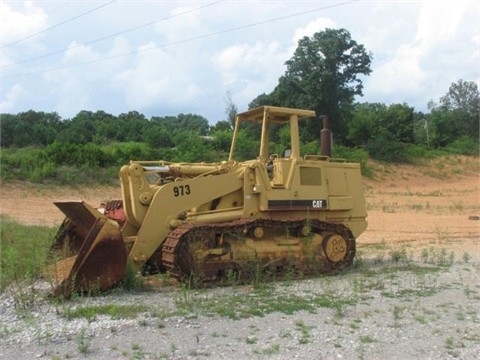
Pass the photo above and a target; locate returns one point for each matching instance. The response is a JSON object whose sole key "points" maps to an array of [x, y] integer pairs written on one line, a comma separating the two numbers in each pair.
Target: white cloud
{"points": [[18, 24], [249, 70], [77, 53], [156, 77], [429, 61], [312, 27], [12, 98]]}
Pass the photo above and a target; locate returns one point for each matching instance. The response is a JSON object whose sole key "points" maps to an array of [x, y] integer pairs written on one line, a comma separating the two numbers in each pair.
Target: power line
{"points": [[58, 25], [185, 40], [114, 34]]}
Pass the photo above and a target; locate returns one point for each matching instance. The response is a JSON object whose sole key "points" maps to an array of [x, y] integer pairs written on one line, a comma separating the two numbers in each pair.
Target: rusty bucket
{"points": [[89, 251]]}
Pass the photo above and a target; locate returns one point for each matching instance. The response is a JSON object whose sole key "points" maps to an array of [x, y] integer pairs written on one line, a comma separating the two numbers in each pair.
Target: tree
{"points": [[30, 128], [231, 110], [398, 121], [323, 75], [365, 123], [457, 115], [463, 100]]}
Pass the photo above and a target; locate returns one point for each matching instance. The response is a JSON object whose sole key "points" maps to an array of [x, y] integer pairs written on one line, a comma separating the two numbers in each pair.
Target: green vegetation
{"points": [[24, 251], [114, 311]]}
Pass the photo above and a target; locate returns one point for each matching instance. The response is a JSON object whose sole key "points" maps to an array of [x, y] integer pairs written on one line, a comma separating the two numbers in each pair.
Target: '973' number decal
{"points": [[181, 190]]}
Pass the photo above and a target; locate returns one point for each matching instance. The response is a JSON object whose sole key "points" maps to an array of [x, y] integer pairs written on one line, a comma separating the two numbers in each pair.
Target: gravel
{"points": [[381, 309]]}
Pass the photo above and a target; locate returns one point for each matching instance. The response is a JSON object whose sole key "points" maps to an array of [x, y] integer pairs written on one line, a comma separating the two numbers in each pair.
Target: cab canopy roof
{"points": [[273, 114]]}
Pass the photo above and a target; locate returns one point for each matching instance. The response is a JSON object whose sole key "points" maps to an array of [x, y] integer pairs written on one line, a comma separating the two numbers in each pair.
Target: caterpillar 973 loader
{"points": [[288, 212]]}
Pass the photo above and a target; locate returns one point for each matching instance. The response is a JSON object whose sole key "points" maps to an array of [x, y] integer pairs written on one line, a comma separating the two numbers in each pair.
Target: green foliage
{"points": [[33, 165], [246, 147], [72, 154], [132, 279], [122, 153], [323, 75], [192, 148], [114, 311], [221, 141], [457, 115], [353, 155], [29, 128], [24, 251], [383, 147], [464, 145]]}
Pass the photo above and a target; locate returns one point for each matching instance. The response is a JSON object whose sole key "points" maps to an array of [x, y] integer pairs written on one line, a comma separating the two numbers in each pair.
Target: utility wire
{"points": [[185, 40], [114, 34], [58, 25]]}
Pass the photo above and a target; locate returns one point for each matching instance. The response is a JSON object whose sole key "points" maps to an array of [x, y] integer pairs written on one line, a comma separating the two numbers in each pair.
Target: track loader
{"points": [[209, 220]]}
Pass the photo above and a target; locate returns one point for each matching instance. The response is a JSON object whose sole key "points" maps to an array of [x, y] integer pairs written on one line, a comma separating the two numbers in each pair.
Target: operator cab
{"points": [[279, 168]]}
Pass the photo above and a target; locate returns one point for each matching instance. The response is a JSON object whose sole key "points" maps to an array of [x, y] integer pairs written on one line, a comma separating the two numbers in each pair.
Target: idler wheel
{"points": [[335, 247]]}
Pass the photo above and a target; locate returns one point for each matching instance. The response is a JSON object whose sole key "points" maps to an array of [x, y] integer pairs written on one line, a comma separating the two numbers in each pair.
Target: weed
{"points": [[389, 208], [449, 343], [397, 314], [83, 343], [420, 319], [272, 350], [25, 297], [365, 339], [173, 349], [457, 206], [132, 280], [466, 257], [304, 331], [399, 255]]}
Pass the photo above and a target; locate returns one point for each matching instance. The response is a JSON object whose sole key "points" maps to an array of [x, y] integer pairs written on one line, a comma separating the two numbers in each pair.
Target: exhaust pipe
{"points": [[325, 138]]}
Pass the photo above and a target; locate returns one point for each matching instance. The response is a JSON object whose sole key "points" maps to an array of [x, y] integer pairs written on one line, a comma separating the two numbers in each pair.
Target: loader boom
{"points": [[173, 199]]}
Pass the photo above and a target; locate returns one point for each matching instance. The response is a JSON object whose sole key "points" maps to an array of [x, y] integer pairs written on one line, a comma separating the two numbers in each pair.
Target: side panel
{"points": [[330, 191]]}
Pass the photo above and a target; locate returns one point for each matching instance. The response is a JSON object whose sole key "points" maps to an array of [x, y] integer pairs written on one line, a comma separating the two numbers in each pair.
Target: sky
{"points": [[164, 58]]}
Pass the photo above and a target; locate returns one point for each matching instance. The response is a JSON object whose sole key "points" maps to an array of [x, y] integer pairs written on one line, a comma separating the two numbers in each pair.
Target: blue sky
{"points": [[169, 57]]}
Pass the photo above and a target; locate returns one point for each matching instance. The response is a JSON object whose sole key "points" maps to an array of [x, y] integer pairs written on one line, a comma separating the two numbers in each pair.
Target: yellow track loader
{"points": [[286, 212]]}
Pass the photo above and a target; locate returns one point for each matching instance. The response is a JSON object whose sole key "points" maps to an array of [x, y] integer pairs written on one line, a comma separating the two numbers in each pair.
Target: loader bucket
{"points": [[90, 251]]}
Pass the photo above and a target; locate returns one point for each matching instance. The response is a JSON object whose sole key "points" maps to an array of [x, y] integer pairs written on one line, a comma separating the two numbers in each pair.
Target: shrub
{"points": [[384, 148], [89, 154], [123, 153], [353, 155], [464, 145]]}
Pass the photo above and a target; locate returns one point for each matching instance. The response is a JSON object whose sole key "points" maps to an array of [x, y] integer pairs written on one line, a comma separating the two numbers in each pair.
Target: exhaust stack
{"points": [[325, 138]]}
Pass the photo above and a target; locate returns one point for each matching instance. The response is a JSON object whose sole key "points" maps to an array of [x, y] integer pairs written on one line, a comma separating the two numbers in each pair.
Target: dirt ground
{"points": [[438, 201]]}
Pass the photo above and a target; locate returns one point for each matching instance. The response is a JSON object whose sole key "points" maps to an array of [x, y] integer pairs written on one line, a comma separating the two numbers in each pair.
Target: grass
{"points": [[112, 310], [259, 302], [24, 251]]}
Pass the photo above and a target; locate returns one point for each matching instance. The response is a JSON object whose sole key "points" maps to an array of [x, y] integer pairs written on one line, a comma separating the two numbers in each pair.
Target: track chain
{"points": [[174, 249]]}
